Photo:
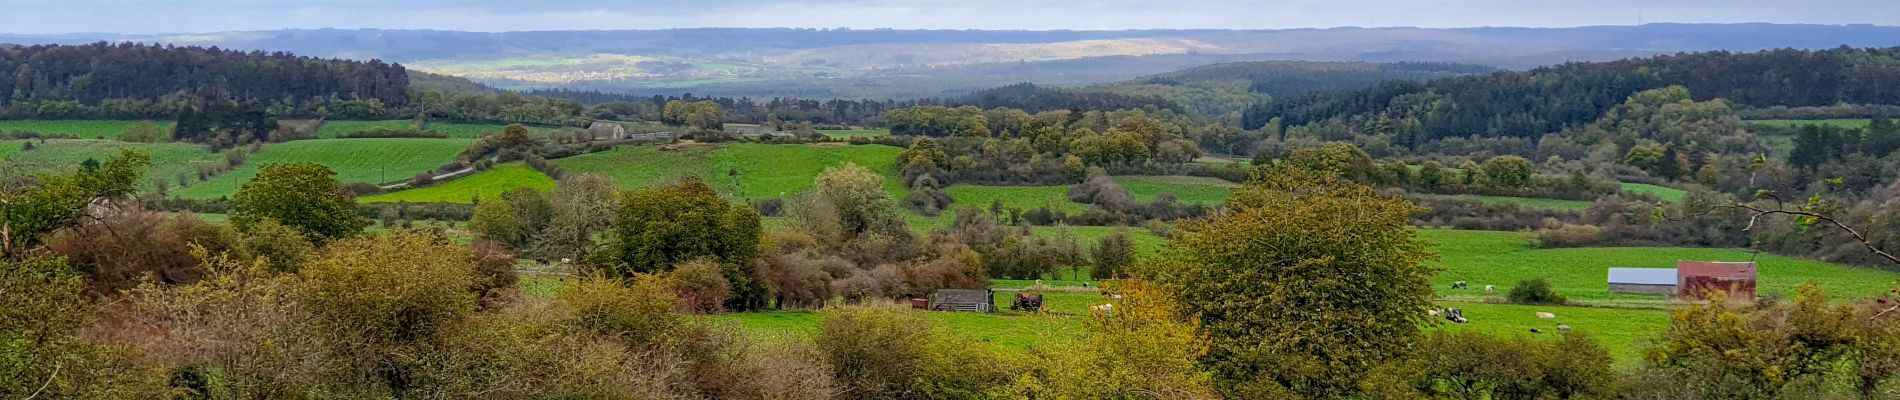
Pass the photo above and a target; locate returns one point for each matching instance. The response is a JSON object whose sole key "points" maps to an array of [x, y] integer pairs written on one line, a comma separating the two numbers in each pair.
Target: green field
{"points": [[1504, 258], [65, 155], [851, 133], [1532, 202], [485, 185], [1186, 189], [1851, 123], [764, 170], [353, 160], [1625, 332], [1661, 192], [332, 129], [83, 129]]}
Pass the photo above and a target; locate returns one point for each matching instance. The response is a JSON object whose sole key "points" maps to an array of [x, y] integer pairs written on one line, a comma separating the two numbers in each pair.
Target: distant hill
{"points": [[939, 63], [1281, 78]]}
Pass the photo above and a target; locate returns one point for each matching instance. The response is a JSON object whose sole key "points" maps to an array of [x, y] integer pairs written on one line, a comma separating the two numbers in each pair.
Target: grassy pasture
{"points": [[1531, 202], [851, 133], [764, 170], [1850, 123], [353, 160], [1504, 258], [83, 129], [1625, 332], [333, 129], [484, 185], [65, 155], [1661, 192]]}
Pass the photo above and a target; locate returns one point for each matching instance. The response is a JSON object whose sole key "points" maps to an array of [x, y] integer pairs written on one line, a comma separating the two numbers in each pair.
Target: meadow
{"points": [[851, 133], [65, 155], [762, 170], [83, 129], [1661, 192], [483, 185], [1851, 123], [1504, 258], [353, 160], [333, 129], [1531, 202]]}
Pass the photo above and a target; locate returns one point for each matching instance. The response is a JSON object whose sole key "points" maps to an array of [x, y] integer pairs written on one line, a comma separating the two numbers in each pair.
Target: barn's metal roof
{"points": [[1643, 276]]}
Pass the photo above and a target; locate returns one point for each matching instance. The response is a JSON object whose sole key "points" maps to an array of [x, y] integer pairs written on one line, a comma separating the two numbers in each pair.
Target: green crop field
{"points": [[1661, 192], [485, 185], [851, 133], [83, 129], [764, 170], [1504, 258], [65, 155], [1851, 123], [353, 160], [332, 129]]}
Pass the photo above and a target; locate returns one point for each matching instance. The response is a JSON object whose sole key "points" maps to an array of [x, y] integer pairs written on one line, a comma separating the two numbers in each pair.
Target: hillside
{"points": [[139, 81], [1544, 100]]}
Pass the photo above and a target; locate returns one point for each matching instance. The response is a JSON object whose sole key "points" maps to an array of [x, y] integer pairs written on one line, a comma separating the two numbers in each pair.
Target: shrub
{"points": [[304, 196], [799, 280], [640, 311], [125, 246], [1113, 255], [1535, 291], [392, 290], [874, 351], [662, 226], [1474, 366], [701, 286], [495, 274], [283, 247]]}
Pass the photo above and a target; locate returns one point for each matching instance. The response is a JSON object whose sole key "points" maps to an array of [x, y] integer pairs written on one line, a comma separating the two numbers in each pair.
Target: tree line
{"points": [[133, 81], [1544, 100]]}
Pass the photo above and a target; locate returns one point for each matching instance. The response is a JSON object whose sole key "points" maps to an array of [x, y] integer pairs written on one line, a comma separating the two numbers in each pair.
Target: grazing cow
{"points": [[1534, 330], [1458, 285], [1563, 328], [1027, 302], [1489, 288], [1545, 315]]}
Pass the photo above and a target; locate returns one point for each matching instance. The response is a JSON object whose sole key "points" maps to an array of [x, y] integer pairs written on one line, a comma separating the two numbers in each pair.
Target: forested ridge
{"points": [[1544, 100], [129, 80]]}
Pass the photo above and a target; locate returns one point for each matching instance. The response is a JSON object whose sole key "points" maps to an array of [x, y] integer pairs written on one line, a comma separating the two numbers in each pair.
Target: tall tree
{"points": [[303, 196], [659, 227], [1305, 283]]}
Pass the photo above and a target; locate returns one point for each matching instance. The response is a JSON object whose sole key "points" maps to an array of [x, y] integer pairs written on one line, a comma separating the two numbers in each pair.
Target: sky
{"points": [[193, 16]]}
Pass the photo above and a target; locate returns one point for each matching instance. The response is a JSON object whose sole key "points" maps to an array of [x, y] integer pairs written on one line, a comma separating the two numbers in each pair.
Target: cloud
{"points": [[145, 16]]}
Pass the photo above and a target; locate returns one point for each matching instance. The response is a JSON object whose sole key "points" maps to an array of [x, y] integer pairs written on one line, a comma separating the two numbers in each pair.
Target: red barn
{"points": [[1696, 277]]}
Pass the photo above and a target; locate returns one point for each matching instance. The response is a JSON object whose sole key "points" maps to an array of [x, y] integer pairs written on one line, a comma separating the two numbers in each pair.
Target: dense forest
{"points": [[1544, 100], [128, 80]]}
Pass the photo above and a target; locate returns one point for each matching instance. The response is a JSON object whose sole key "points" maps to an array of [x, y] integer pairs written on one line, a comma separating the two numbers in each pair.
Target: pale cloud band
{"points": [[136, 16]]}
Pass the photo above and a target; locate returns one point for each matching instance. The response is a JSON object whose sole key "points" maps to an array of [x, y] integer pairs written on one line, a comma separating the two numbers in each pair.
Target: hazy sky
{"points": [[140, 16]]}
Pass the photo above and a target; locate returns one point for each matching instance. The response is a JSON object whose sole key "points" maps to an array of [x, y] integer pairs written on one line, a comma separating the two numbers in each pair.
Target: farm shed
{"points": [[979, 300], [1699, 277], [602, 130], [1655, 281]]}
